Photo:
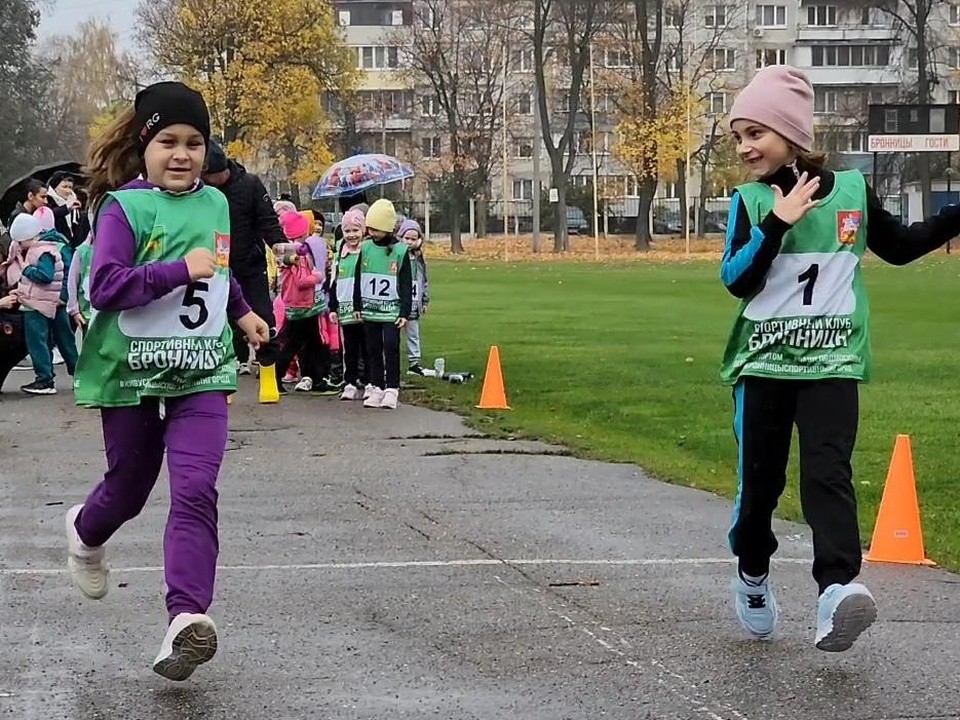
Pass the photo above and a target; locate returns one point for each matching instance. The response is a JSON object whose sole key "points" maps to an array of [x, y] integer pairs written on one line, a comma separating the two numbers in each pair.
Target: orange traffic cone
{"points": [[493, 396], [897, 536]]}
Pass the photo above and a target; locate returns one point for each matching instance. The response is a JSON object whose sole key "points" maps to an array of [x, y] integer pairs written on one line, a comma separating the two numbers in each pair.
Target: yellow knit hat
{"points": [[311, 219], [382, 216]]}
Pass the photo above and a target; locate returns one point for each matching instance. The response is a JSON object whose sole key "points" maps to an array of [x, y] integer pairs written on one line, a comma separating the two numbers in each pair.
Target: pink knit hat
{"points": [[295, 225], [353, 218], [780, 97], [282, 207]]}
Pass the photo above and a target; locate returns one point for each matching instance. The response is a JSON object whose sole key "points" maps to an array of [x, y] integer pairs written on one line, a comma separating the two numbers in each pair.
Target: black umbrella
{"points": [[17, 189]]}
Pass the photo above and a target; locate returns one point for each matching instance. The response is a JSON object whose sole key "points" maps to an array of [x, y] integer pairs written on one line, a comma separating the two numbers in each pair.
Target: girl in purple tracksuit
{"points": [[158, 358]]}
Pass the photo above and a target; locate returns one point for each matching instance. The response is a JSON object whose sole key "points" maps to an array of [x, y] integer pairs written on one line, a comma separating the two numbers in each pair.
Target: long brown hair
{"points": [[113, 157], [810, 161]]}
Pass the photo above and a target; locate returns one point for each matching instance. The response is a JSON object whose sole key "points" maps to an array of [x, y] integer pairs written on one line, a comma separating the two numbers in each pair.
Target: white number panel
{"points": [[195, 310], [806, 285]]}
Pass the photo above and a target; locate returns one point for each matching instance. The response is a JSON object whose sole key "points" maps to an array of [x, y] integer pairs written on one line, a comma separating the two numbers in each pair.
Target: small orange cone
{"points": [[493, 396], [897, 536]]}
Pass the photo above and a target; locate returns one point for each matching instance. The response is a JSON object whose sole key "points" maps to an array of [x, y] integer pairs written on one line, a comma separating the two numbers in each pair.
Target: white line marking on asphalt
{"points": [[685, 690], [393, 564]]}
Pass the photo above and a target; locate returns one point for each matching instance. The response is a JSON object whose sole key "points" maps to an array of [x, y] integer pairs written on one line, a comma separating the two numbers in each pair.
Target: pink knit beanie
{"points": [[282, 207], [353, 218], [295, 225], [780, 97]]}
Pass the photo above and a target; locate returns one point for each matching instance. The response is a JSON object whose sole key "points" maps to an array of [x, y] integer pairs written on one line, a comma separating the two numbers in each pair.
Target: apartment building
{"points": [[385, 113], [854, 55]]}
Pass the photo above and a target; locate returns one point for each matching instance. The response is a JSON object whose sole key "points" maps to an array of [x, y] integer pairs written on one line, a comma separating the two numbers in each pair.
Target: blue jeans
{"points": [[38, 329]]}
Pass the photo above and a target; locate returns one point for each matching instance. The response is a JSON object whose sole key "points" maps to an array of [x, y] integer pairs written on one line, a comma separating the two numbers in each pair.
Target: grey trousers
{"points": [[413, 341]]}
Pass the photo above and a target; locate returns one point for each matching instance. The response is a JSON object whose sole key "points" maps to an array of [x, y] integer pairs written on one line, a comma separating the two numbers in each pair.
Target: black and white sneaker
{"points": [[39, 388], [415, 369]]}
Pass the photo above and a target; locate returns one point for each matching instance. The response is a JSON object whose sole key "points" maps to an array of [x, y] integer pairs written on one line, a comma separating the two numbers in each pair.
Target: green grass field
{"points": [[619, 362]]}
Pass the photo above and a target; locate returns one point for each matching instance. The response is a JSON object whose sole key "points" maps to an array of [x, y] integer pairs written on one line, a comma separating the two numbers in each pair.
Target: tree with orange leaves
{"points": [[262, 68]]}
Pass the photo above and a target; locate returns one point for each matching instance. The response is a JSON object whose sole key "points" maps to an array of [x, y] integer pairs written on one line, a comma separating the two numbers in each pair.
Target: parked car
{"points": [[667, 223], [715, 221], [576, 221]]}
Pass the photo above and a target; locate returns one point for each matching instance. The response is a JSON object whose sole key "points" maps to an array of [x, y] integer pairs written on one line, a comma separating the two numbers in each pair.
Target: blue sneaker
{"points": [[756, 606], [843, 612]]}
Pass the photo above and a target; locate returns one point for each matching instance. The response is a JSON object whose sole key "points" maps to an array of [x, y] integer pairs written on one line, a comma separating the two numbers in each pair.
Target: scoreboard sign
{"points": [[914, 128]]}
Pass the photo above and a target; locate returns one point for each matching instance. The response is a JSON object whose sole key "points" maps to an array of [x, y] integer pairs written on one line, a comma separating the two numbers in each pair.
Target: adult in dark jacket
{"points": [[68, 213], [34, 194], [252, 223]]}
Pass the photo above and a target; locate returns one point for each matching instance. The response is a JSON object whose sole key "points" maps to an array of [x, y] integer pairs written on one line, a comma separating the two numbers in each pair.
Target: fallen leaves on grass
{"points": [[616, 248]]}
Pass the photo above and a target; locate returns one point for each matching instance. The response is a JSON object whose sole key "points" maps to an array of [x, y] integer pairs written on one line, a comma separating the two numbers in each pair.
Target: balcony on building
{"points": [[374, 13], [840, 21], [862, 62], [843, 75], [385, 110]]}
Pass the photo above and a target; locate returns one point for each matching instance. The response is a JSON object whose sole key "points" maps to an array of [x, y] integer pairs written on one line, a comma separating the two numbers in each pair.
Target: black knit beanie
{"points": [[216, 158], [168, 103]]}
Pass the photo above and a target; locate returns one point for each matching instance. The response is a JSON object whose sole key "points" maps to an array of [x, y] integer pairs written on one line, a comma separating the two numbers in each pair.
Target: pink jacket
{"points": [[45, 299], [298, 282]]}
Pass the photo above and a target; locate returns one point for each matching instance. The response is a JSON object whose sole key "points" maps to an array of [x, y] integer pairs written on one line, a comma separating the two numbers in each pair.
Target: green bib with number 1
{"points": [[379, 287], [810, 318], [179, 344]]}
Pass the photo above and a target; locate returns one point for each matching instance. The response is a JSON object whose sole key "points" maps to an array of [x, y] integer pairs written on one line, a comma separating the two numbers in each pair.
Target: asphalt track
{"points": [[395, 565]]}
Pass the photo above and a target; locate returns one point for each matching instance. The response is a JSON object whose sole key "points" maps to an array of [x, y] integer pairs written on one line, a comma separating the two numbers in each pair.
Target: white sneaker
{"points": [[289, 378], [843, 613], [305, 385], [191, 640], [390, 399], [243, 368], [88, 566], [351, 392], [368, 390], [57, 357], [755, 605], [373, 398]]}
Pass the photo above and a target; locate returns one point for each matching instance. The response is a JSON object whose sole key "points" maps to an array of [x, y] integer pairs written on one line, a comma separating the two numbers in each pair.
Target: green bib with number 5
{"points": [[178, 344], [379, 286], [810, 318]]}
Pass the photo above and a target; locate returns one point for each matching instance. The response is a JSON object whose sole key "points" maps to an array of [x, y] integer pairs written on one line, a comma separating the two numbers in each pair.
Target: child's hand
{"points": [[357, 316], [798, 203], [401, 323], [334, 318], [255, 328], [8, 302], [201, 264], [80, 320], [423, 310]]}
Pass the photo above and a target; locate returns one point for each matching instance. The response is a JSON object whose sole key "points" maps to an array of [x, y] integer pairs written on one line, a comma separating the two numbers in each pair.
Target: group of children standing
{"points": [[373, 287]]}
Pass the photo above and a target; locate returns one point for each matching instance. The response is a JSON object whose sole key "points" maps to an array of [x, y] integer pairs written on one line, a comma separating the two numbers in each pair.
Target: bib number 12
{"points": [[384, 287], [809, 276], [192, 299]]}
